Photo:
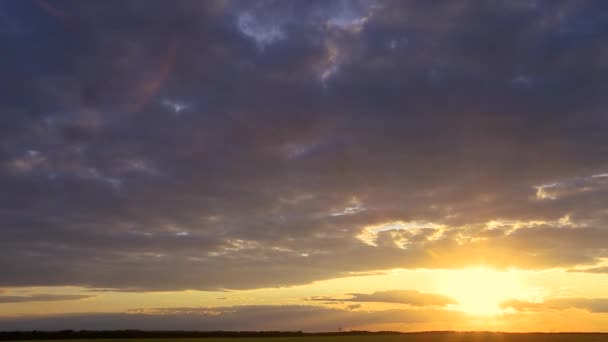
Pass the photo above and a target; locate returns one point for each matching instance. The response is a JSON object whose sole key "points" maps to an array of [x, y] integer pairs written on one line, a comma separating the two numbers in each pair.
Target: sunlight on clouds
{"points": [[481, 290], [510, 226], [353, 206], [401, 232], [544, 191], [334, 58], [369, 234], [566, 187], [346, 23], [350, 19]]}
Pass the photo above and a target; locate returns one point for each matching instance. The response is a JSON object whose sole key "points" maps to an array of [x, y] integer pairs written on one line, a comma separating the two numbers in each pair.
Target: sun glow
{"points": [[481, 290]]}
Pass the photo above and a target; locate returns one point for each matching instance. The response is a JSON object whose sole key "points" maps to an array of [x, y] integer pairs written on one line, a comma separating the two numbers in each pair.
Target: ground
{"points": [[427, 337]]}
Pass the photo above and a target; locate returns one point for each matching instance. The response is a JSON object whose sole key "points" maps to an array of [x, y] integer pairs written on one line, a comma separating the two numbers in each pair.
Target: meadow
{"points": [[407, 337]]}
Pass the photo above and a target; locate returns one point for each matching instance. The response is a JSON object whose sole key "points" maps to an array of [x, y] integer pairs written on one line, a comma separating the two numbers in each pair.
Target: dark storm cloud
{"points": [[410, 297], [4, 299], [223, 145], [590, 304], [293, 318]]}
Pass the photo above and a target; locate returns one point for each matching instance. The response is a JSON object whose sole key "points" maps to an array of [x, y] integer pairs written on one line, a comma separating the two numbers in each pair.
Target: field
{"points": [[414, 337]]}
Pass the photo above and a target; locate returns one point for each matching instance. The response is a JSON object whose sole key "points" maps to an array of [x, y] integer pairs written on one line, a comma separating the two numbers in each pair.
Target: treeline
{"points": [[92, 334]]}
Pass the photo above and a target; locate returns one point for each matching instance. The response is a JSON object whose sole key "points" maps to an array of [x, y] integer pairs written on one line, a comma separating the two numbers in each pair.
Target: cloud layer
{"points": [[410, 297], [4, 299], [289, 318], [599, 305], [148, 145]]}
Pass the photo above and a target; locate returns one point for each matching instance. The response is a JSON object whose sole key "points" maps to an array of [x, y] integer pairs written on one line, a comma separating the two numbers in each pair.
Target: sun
{"points": [[481, 290]]}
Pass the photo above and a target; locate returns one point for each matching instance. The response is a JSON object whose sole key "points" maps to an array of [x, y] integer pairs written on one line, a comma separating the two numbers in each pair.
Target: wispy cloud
{"points": [[5, 299], [411, 297]]}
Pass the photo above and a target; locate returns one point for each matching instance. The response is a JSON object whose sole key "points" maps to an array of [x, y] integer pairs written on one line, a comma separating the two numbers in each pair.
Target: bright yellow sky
{"points": [[479, 292]]}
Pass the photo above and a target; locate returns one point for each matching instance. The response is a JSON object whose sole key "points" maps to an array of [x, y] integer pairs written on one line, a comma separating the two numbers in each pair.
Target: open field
{"points": [[413, 337]]}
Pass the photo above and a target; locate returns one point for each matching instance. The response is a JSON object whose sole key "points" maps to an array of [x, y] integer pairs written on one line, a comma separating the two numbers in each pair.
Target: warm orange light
{"points": [[481, 290]]}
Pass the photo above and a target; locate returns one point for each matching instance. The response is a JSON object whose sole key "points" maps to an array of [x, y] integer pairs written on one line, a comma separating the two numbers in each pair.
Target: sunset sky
{"points": [[304, 165]]}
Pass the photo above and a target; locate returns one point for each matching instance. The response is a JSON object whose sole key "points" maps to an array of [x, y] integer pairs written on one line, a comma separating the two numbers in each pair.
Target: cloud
{"points": [[27, 163], [411, 297], [572, 186], [105, 187], [5, 299], [597, 305], [238, 318], [601, 269], [255, 29]]}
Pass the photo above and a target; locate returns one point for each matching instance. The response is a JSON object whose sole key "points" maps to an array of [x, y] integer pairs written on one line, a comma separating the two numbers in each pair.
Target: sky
{"points": [[304, 165]]}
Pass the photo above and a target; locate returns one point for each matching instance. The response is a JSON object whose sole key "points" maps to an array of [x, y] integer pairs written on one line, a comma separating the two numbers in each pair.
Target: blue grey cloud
{"points": [[225, 144]]}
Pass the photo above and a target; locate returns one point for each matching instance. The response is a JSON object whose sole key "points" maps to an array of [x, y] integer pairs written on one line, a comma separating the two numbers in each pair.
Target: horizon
{"points": [[132, 333], [324, 165]]}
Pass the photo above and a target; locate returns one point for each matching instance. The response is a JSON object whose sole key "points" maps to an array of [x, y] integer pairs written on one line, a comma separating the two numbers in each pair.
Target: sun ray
{"points": [[481, 290]]}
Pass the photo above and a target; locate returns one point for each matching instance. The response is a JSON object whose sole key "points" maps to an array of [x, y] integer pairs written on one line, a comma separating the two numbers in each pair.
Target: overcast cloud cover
{"points": [[155, 145]]}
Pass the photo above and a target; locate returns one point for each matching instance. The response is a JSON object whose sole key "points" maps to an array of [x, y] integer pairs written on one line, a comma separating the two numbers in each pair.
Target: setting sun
{"points": [[481, 290], [334, 166]]}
